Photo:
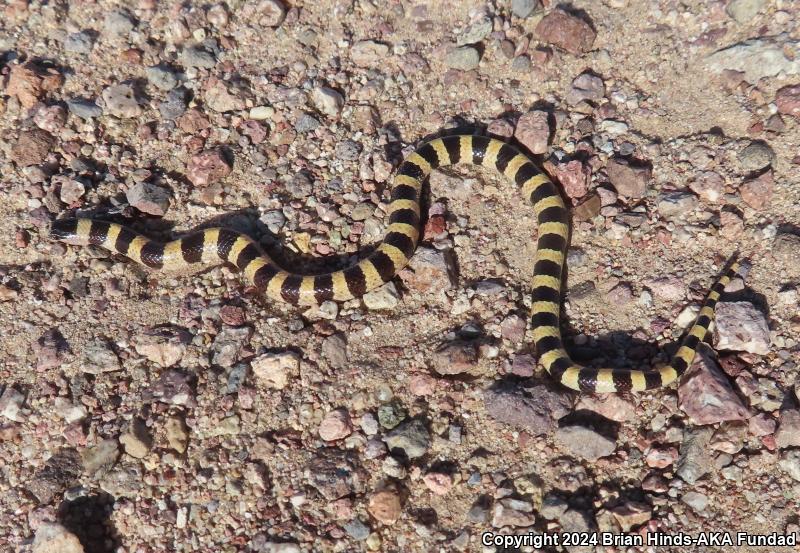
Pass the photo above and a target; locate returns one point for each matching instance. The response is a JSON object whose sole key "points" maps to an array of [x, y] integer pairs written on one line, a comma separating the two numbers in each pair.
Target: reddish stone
{"points": [[566, 31], [30, 81], [32, 147], [533, 131], [757, 192], [788, 100], [574, 176], [208, 167]]}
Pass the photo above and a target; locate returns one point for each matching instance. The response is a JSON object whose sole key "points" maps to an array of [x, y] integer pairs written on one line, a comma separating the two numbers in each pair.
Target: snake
{"points": [[212, 246]]}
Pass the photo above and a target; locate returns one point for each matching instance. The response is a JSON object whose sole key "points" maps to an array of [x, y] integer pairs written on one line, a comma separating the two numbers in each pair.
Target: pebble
{"points": [[327, 101], [306, 123], [348, 150], [463, 58], [54, 538], [709, 185], [588, 209], [149, 198], [788, 434], [411, 438], [533, 131], [273, 370], [336, 425], [611, 406], [32, 148], [632, 514], [533, 410], [566, 31], [385, 506], [502, 128], [513, 512], [136, 441], [755, 156], [60, 472], [757, 58], [661, 457], [584, 442], [758, 192], [787, 100], [390, 415], [697, 501], [11, 404], [790, 463], [761, 425], [100, 458], [431, 269], [120, 101], [79, 43], [195, 56], [456, 358], [629, 181], [334, 349], [739, 326], [367, 53], [175, 104], [586, 86], [118, 23], [706, 395], [676, 205], [385, 297], [574, 176], [356, 529], [438, 482], [208, 167], [271, 13], [334, 474], [369, 424], [695, 458], [162, 77], [70, 190], [475, 32], [524, 8], [177, 434], [174, 388], [744, 11], [30, 81], [85, 109]]}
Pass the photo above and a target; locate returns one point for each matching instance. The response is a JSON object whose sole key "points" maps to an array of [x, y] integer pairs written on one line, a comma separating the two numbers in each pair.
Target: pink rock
{"points": [[438, 482], [761, 425], [661, 457], [574, 177], [501, 128], [533, 131], [788, 434], [669, 288], [336, 425], [628, 180], [421, 384], [706, 395], [566, 31], [208, 167], [757, 192], [612, 407], [523, 365], [788, 100]]}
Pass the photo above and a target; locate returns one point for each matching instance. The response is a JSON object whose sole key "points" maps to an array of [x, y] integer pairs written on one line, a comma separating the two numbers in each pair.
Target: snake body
{"points": [[214, 245]]}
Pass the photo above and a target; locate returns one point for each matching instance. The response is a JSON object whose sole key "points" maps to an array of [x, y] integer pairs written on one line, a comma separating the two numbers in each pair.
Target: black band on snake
{"points": [[215, 245]]}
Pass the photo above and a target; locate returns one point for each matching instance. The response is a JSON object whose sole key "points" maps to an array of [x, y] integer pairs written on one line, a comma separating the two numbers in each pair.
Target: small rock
{"points": [[534, 411], [30, 81], [513, 512], [588, 209], [367, 53], [85, 109], [706, 395], [412, 438], [306, 123], [71, 190], [54, 538], [274, 369], [60, 472], [524, 8], [11, 403], [739, 326], [356, 529], [709, 185], [611, 406], [385, 297], [177, 433], [661, 457], [574, 176], [348, 150], [788, 434], [333, 474], [758, 192], [463, 58], [586, 86], [431, 269], [174, 388], [78, 43], [629, 181], [271, 13], [585, 442], [118, 23], [120, 101], [695, 460], [99, 459], [475, 32], [756, 156], [566, 31], [523, 365], [788, 100], [164, 346], [674, 205], [744, 11], [761, 425], [32, 148], [194, 56], [336, 425], [503, 129], [533, 131], [479, 512], [327, 101], [149, 198], [790, 463], [632, 514], [136, 441], [697, 501], [455, 358], [438, 482], [334, 349], [385, 506], [756, 58], [208, 167], [162, 77]]}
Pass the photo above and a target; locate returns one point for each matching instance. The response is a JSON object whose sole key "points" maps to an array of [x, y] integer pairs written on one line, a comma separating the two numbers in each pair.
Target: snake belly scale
{"points": [[214, 245]]}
